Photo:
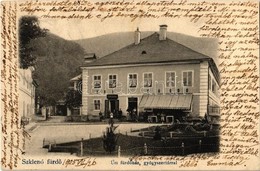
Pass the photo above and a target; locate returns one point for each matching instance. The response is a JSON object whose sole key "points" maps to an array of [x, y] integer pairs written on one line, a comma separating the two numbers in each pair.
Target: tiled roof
{"points": [[149, 50]]}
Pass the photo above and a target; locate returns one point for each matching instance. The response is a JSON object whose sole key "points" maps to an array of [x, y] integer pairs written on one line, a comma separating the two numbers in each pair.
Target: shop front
{"points": [[165, 108]]}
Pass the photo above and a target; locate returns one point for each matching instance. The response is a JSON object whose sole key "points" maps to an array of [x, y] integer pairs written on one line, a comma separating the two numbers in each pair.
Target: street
{"points": [[68, 132]]}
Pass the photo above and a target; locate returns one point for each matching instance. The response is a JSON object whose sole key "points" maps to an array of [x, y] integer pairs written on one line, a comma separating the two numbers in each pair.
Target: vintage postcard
{"points": [[130, 85]]}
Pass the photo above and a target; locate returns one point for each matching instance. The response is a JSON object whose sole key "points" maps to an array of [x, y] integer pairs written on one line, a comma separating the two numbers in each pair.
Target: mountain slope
{"points": [[106, 44], [58, 60]]}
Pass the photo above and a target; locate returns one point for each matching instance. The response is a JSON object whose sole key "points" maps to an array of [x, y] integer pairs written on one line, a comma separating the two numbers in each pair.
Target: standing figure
{"points": [[100, 116], [135, 115], [111, 121]]}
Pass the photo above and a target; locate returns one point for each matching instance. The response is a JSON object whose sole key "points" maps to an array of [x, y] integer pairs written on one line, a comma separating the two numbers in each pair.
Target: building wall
{"points": [[158, 78], [195, 105], [123, 103], [203, 100], [213, 95], [26, 93], [90, 94], [85, 83]]}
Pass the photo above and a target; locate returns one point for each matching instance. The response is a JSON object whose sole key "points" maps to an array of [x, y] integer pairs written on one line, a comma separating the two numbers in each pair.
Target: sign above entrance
{"points": [[112, 96]]}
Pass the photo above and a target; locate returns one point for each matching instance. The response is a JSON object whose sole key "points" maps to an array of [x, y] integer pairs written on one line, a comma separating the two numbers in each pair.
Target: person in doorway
{"points": [[134, 110], [134, 115], [111, 121], [130, 114], [115, 113]]}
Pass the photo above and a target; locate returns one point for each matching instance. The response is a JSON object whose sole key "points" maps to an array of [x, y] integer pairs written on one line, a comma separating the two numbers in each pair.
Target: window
{"points": [[170, 79], [209, 82], [132, 80], [28, 109], [112, 81], [23, 108], [96, 104], [97, 81], [148, 79], [214, 86], [187, 78]]}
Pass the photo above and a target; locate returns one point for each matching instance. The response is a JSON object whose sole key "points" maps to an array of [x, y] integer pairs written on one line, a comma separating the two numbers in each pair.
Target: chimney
{"points": [[163, 31], [137, 36]]}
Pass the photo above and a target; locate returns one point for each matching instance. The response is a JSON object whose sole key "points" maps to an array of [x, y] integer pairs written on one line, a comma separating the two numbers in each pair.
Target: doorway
{"points": [[111, 105], [133, 104], [132, 108]]}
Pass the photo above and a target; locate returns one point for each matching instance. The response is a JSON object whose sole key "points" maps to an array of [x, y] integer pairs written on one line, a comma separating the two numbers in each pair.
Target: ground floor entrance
{"points": [[133, 104], [111, 105], [132, 109]]}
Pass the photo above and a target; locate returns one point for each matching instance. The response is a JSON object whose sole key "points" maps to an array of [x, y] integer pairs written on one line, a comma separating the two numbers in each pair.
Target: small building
{"points": [[27, 106], [75, 82], [153, 76]]}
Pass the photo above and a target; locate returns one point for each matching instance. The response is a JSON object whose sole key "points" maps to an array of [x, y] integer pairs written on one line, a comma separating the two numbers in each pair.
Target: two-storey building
{"points": [[27, 93], [155, 74]]}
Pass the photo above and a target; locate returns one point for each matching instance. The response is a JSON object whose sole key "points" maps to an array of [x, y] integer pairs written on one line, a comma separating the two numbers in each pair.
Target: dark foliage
{"points": [[110, 138], [73, 99], [58, 61], [29, 29], [110, 142]]}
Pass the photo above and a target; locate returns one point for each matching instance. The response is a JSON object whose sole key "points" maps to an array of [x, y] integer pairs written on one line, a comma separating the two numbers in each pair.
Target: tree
{"points": [[29, 29], [110, 138], [73, 99]]}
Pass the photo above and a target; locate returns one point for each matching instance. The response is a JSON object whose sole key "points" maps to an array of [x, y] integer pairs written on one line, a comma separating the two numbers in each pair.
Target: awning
{"points": [[179, 101]]}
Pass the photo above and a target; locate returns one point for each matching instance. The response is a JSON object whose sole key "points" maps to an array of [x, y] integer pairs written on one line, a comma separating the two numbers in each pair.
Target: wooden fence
{"points": [[183, 149]]}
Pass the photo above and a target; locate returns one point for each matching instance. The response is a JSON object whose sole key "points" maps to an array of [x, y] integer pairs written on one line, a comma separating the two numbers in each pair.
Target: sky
{"points": [[79, 29]]}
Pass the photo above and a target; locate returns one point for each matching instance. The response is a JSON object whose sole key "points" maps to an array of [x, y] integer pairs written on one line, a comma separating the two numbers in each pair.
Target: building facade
{"points": [[155, 75], [26, 93]]}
